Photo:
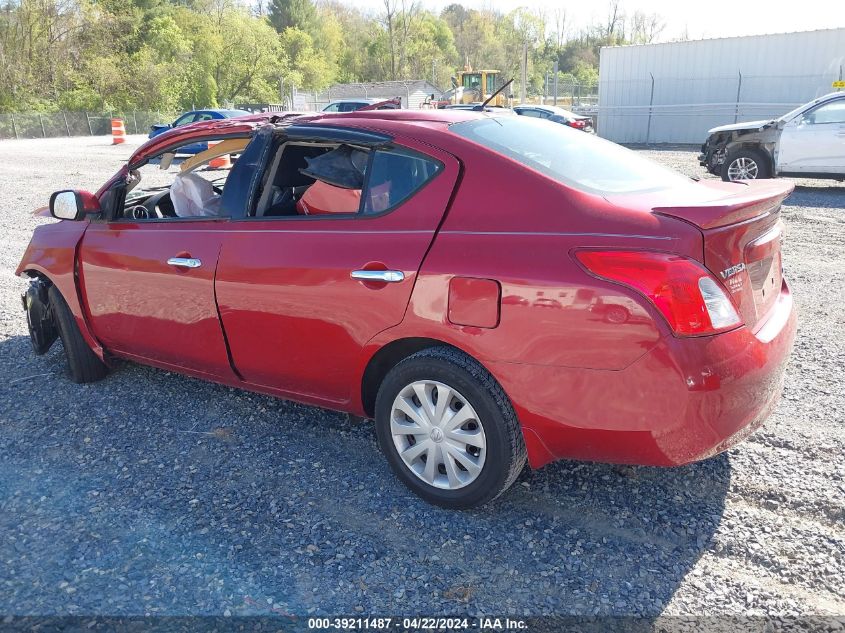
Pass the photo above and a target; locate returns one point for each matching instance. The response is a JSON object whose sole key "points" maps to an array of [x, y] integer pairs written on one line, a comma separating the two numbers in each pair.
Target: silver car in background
{"points": [[808, 142]]}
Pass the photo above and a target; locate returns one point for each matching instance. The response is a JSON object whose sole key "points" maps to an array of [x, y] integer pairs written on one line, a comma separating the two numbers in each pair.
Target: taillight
{"points": [[689, 297], [578, 123]]}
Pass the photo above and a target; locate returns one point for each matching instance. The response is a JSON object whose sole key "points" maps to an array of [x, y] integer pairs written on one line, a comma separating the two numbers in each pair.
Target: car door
{"points": [[300, 296], [814, 141], [149, 284], [145, 303]]}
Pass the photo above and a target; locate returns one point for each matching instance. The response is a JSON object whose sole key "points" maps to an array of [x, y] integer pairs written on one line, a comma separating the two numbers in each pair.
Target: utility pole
{"points": [[554, 102], [524, 72]]}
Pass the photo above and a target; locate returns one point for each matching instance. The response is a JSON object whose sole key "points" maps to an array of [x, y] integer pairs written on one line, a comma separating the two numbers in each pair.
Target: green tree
{"points": [[297, 14], [304, 68], [178, 54]]}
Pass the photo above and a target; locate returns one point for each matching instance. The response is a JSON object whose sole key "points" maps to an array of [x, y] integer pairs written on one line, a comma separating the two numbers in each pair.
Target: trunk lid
{"points": [[742, 233]]}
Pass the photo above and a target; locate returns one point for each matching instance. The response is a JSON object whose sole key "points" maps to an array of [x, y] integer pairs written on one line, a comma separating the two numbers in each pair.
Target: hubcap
{"points": [[742, 168], [438, 435]]}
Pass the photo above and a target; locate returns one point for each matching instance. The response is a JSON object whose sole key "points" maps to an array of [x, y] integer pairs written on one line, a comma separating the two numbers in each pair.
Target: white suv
{"points": [[808, 142]]}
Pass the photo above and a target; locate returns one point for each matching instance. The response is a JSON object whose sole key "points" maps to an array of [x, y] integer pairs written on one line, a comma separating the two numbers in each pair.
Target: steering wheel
{"points": [[152, 204], [138, 212]]}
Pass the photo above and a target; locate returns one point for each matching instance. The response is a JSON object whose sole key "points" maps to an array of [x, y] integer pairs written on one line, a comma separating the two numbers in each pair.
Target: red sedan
{"points": [[490, 289]]}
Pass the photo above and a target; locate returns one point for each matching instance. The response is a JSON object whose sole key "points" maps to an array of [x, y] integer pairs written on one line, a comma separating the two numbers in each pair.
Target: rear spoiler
{"points": [[761, 197]]}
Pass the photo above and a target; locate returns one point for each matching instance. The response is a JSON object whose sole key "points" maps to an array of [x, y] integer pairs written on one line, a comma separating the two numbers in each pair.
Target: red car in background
{"points": [[458, 276], [557, 115]]}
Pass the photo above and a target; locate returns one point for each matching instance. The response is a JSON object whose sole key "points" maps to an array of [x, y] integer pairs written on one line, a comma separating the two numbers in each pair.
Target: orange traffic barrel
{"points": [[118, 132], [221, 162]]}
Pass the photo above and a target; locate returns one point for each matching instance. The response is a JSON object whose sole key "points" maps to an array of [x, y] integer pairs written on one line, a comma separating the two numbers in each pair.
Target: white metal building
{"points": [[675, 92]]}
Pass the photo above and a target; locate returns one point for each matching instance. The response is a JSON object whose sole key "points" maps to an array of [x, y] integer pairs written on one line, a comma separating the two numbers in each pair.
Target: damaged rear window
{"points": [[574, 158]]}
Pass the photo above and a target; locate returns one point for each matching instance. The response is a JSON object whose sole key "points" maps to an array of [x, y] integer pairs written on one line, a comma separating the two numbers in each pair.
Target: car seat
{"points": [[321, 198]]}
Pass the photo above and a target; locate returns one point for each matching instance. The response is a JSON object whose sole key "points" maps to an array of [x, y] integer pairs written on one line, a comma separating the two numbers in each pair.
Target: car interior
{"points": [[188, 194], [302, 179], [309, 179], [290, 188]]}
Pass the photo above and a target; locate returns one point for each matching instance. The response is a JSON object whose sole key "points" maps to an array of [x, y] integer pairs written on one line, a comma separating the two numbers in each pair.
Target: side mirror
{"points": [[73, 205]]}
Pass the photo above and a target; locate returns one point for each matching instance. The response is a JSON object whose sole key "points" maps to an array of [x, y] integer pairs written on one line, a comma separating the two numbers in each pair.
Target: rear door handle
{"points": [[184, 262], [384, 276]]}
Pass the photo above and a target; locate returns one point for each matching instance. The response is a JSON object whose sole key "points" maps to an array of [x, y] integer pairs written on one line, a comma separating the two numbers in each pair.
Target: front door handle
{"points": [[184, 262], [384, 276]]}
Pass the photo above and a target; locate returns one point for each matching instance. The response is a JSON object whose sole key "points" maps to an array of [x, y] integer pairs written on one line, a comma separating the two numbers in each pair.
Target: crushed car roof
{"points": [[246, 125]]}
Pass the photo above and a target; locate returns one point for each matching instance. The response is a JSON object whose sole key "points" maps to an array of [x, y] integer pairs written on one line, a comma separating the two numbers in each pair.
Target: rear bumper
{"points": [[685, 400]]}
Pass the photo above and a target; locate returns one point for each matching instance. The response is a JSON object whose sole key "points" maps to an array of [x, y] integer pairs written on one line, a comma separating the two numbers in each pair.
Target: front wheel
{"points": [[745, 164], [83, 364], [448, 430]]}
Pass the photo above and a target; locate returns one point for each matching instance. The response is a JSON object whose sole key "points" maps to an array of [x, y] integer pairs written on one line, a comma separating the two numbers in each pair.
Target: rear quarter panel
{"points": [[513, 225]]}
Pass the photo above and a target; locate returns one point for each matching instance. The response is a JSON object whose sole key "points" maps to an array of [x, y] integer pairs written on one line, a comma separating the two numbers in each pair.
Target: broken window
{"points": [[176, 186], [310, 179]]}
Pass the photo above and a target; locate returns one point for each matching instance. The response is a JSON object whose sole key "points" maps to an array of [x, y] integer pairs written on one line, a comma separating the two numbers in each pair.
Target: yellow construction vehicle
{"points": [[475, 86]]}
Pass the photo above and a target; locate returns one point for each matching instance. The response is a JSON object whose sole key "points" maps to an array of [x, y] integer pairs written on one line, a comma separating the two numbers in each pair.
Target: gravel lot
{"points": [[152, 493]]}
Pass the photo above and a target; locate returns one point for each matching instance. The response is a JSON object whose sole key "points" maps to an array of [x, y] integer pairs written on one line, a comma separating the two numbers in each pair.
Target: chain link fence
{"points": [[568, 93], [55, 124], [581, 97]]}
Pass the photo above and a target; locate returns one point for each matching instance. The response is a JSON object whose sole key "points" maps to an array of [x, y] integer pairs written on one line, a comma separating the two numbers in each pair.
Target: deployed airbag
{"points": [[193, 196], [342, 167]]}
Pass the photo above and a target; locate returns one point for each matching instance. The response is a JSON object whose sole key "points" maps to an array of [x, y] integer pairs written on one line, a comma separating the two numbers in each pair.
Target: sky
{"points": [[698, 18]]}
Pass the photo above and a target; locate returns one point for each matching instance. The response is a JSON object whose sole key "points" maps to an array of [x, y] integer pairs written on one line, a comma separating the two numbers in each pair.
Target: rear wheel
{"points": [[745, 164], [448, 430], [83, 363]]}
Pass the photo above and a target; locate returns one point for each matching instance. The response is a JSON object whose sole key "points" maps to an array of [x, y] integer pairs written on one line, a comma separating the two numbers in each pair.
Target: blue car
{"points": [[193, 117]]}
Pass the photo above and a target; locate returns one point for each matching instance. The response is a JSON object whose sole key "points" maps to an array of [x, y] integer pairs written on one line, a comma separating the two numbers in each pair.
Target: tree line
{"points": [[172, 55]]}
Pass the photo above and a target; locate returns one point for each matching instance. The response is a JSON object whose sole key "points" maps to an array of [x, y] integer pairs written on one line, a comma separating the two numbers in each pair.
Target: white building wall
{"points": [[696, 83], [418, 97]]}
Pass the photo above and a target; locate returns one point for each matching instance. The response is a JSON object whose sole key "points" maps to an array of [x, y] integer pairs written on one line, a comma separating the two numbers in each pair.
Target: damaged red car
{"points": [[489, 289]]}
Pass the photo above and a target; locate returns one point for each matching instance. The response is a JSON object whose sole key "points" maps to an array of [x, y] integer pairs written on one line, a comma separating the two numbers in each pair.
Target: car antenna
{"points": [[480, 108]]}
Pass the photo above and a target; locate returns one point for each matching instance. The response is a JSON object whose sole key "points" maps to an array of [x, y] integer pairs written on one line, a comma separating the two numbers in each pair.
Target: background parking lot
{"points": [[153, 493]]}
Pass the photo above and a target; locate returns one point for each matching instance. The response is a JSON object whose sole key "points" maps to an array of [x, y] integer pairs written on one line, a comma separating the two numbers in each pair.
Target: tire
{"points": [[39, 317], [712, 166], [745, 161], [83, 364], [494, 449], [616, 315]]}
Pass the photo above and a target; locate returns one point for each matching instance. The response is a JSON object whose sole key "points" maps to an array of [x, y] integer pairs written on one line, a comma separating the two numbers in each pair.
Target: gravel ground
{"points": [[152, 493]]}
